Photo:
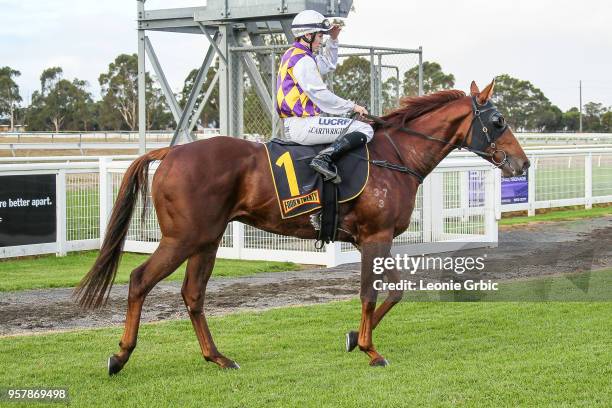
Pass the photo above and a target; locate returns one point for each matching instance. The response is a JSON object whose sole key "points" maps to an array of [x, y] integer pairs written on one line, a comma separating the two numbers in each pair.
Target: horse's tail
{"points": [[92, 292]]}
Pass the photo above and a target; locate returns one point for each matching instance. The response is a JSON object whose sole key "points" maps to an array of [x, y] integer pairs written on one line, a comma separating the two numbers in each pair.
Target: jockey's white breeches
{"points": [[322, 129]]}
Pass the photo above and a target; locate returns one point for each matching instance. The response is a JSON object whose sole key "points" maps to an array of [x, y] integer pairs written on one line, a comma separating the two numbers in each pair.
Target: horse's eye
{"points": [[499, 120]]}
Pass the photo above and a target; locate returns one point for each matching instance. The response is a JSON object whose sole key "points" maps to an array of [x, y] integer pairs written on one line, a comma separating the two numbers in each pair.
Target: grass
{"points": [[50, 271], [441, 354], [560, 215], [575, 287]]}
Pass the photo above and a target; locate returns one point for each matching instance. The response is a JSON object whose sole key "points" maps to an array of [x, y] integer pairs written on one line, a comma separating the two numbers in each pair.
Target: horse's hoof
{"points": [[114, 366], [351, 340], [232, 365], [379, 362]]}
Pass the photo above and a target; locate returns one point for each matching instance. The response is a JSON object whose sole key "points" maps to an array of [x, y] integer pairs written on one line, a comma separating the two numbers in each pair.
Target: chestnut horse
{"points": [[199, 187]]}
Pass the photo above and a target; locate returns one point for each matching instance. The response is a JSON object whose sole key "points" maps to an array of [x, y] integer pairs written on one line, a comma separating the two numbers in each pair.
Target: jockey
{"points": [[302, 95]]}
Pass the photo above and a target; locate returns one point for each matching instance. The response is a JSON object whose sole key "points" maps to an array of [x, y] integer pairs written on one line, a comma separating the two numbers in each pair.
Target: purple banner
{"points": [[514, 190]]}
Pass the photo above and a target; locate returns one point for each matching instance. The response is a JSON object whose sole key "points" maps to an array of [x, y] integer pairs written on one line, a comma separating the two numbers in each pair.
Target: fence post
{"points": [[498, 204], [372, 106], [332, 252], [105, 192], [588, 181], [531, 187], [436, 203], [273, 90], [464, 193], [60, 198], [238, 238], [426, 214], [492, 194], [420, 71]]}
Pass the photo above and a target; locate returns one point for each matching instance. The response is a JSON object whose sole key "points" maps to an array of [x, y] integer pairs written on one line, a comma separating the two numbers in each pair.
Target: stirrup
{"points": [[328, 174]]}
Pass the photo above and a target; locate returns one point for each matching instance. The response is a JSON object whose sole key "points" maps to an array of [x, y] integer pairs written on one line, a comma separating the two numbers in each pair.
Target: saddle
{"points": [[301, 190]]}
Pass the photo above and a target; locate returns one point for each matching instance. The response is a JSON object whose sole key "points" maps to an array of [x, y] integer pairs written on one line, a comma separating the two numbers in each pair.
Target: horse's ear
{"points": [[486, 93], [474, 91]]}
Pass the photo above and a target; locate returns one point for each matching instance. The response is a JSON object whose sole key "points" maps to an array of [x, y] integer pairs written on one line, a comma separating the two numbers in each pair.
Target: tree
{"points": [[592, 116], [60, 104], [49, 79], [391, 91], [352, 80], [119, 88], [158, 114], [606, 121], [571, 120], [434, 79], [81, 116], [549, 119], [9, 93], [525, 106], [211, 110]]}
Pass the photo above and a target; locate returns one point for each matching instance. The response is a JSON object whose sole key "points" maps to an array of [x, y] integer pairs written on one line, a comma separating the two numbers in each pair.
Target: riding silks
{"points": [[299, 189]]}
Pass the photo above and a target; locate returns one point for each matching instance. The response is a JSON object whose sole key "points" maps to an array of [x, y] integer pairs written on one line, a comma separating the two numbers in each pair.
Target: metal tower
{"points": [[226, 24]]}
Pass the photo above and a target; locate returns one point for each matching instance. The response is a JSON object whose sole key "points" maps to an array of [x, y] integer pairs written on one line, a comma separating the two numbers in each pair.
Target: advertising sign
{"points": [[27, 209], [514, 189]]}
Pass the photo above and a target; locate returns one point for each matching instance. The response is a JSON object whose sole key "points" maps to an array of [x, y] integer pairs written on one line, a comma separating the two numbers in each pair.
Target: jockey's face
{"points": [[318, 39], [317, 42]]}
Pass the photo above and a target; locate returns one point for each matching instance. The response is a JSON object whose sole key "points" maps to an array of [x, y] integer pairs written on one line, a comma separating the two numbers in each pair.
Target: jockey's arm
{"points": [[327, 58], [308, 77]]}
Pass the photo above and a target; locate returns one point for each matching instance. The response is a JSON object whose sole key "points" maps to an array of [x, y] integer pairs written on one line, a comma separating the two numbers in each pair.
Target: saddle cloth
{"points": [[299, 188]]}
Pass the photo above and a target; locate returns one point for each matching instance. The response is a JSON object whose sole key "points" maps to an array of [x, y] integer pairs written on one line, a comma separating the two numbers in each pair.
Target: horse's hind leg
{"points": [[199, 269], [162, 263]]}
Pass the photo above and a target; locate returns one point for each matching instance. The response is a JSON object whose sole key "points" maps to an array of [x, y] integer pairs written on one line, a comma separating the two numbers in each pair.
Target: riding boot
{"points": [[324, 161]]}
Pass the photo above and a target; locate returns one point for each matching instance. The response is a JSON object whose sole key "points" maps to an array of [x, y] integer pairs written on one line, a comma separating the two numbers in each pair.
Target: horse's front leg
{"points": [[368, 294], [393, 297]]}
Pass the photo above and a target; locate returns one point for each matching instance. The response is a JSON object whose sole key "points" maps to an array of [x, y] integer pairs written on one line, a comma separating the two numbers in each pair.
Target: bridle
{"points": [[492, 126], [487, 126]]}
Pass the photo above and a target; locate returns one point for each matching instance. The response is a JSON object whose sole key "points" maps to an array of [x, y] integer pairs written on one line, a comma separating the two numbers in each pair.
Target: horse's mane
{"points": [[412, 107]]}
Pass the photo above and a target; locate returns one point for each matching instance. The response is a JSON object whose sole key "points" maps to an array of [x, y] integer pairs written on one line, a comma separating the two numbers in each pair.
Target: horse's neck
{"points": [[424, 155]]}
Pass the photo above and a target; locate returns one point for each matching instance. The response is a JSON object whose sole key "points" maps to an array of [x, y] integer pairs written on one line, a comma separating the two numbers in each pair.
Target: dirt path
{"points": [[534, 250]]}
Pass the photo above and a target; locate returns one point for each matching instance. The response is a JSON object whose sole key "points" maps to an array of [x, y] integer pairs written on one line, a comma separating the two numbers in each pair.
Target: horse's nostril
{"points": [[526, 165]]}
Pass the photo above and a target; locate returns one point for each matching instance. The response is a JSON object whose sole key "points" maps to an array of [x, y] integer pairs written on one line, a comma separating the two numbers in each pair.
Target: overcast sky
{"points": [[553, 44]]}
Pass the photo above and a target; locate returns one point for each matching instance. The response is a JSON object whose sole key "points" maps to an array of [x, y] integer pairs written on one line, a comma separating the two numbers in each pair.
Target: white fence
{"points": [[456, 204], [153, 136], [560, 177], [86, 141], [459, 202], [563, 138]]}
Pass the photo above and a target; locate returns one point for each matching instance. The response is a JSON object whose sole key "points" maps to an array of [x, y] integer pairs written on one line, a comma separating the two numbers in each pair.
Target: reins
{"points": [[484, 130], [404, 129]]}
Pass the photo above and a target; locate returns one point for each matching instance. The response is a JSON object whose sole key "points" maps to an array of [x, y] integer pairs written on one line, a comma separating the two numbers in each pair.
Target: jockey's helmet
{"points": [[309, 21]]}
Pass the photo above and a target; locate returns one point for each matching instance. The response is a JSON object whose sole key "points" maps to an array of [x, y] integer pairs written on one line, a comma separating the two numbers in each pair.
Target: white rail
{"points": [[564, 177], [455, 204]]}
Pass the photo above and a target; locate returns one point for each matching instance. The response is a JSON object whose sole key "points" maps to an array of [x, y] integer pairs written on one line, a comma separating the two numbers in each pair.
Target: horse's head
{"points": [[489, 133]]}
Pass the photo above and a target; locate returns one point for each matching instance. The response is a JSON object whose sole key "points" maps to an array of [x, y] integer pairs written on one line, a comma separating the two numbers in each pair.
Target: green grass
{"points": [[561, 215], [575, 287], [50, 271], [441, 354]]}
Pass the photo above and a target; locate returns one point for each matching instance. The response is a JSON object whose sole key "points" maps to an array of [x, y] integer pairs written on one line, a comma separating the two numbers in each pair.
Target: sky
{"points": [[553, 44]]}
